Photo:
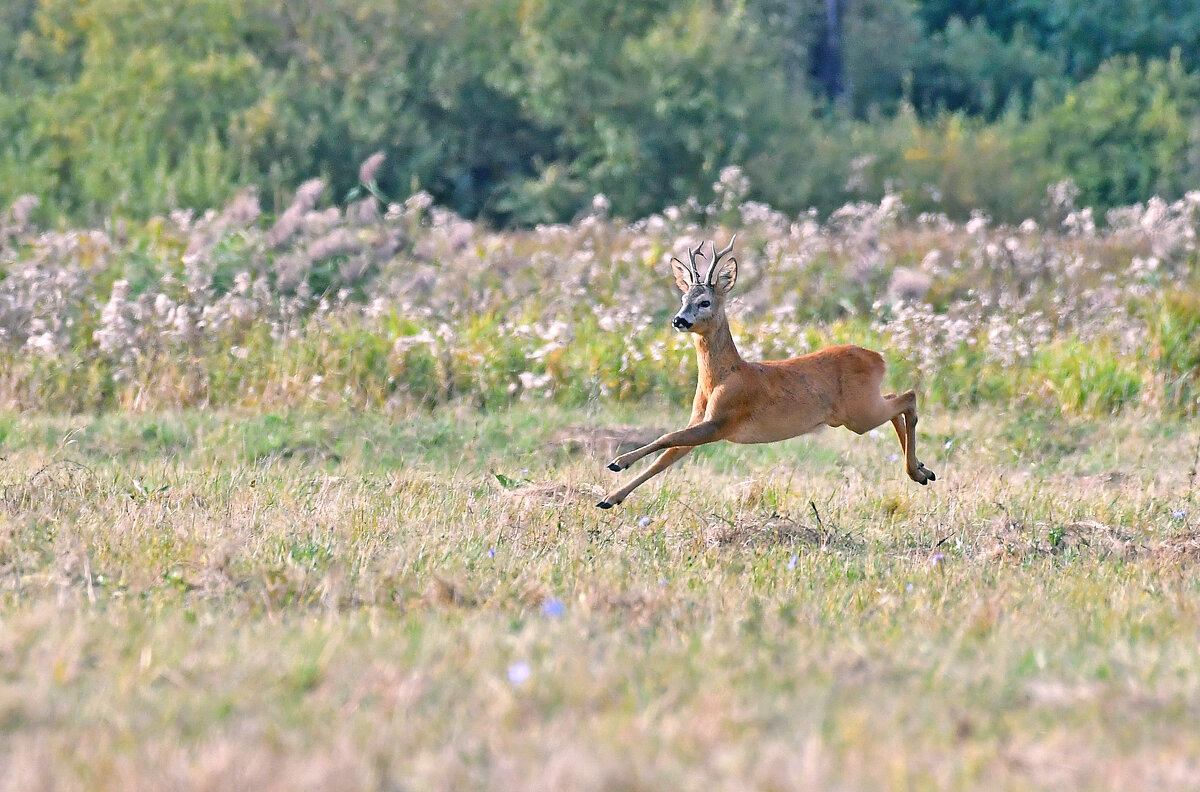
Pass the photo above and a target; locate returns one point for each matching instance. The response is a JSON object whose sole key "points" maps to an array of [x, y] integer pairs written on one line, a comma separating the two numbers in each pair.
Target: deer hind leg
{"points": [[901, 431], [908, 443], [902, 412], [668, 458]]}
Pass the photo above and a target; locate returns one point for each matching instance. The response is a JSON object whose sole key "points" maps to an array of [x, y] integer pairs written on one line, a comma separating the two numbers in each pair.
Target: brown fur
{"points": [[746, 402]]}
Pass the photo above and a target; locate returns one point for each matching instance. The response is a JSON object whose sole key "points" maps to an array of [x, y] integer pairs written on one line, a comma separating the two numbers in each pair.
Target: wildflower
{"points": [[22, 209], [316, 223], [791, 564], [242, 211], [908, 587], [908, 285], [937, 558], [531, 381], [519, 673], [418, 202], [163, 305], [643, 522], [732, 184], [241, 283], [491, 552], [1179, 515], [363, 212], [338, 242], [290, 220], [42, 345], [404, 343], [977, 223], [553, 607], [370, 166]]}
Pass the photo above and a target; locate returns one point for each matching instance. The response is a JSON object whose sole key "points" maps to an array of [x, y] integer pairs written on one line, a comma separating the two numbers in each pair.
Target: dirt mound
{"points": [[1181, 548], [773, 529], [1009, 539], [57, 483], [636, 604]]}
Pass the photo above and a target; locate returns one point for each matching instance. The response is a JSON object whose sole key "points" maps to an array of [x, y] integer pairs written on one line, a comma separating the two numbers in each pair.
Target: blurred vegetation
{"points": [[519, 111], [414, 306]]}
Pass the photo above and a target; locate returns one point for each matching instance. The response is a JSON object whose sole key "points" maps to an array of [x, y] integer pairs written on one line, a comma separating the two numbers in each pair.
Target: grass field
{"points": [[348, 599], [306, 502]]}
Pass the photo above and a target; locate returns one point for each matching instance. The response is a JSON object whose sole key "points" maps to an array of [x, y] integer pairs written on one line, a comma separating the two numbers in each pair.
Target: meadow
{"points": [[307, 502]]}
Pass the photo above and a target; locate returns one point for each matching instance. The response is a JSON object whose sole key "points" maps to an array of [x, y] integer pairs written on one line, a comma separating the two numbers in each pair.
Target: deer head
{"points": [[703, 297]]}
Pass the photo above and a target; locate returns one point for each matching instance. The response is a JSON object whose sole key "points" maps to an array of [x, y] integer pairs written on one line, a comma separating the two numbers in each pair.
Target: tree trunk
{"points": [[830, 64]]}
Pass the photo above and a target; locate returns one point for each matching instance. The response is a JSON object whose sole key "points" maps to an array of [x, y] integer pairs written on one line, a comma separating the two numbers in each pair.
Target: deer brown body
{"points": [[748, 402]]}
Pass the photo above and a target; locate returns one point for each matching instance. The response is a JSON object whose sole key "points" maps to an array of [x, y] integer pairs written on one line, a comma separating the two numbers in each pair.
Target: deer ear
{"points": [[726, 276], [683, 274]]}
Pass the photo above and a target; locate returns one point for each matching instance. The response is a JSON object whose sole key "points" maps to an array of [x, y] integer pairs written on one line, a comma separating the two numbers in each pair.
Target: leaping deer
{"points": [[745, 402]]}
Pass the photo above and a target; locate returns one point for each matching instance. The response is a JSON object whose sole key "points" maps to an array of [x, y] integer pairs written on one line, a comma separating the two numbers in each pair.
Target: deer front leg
{"points": [[699, 434], [668, 458]]}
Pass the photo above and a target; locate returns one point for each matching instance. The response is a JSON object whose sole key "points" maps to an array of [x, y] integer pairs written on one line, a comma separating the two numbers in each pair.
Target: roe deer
{"points": [[746, 402]]}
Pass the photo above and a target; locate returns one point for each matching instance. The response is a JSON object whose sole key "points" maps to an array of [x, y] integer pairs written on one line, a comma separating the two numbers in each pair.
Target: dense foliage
{"points": [[408, 305], [519, 111]]}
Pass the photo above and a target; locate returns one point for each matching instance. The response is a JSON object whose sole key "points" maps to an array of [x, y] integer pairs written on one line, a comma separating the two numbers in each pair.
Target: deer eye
{"points": [[705, 303]]}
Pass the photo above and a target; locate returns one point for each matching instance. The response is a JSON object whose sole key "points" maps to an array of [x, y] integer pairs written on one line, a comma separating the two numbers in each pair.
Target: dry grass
{"points": [[192, 601]]}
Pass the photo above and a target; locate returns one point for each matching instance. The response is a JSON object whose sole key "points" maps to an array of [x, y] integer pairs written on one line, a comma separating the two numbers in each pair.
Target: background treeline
{"points": [[519, 111]]}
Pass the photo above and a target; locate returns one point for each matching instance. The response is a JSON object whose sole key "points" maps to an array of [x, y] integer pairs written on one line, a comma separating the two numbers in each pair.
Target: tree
{"points": [[1130, 131]]}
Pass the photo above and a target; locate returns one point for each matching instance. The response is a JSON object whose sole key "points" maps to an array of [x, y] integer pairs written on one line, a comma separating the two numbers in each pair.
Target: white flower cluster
{"points": [[931, 285]]}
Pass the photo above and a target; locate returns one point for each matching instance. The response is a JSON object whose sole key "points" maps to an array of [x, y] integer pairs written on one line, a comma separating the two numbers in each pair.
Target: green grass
{"points": [[353, 600]]}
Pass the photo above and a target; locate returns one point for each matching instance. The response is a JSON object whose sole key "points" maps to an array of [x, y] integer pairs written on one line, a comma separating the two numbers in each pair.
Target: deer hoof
{"points": [[614, 467], [604, 505]]}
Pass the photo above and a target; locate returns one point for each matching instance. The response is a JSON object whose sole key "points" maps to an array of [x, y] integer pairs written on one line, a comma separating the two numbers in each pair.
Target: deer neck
{"points": [[716, 355]]}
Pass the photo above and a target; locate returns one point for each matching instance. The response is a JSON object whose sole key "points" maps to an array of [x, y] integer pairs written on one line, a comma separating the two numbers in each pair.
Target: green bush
{"points": [[1130, 131]]}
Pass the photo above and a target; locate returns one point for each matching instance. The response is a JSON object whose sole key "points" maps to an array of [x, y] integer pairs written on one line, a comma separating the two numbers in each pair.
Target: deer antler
{"points": [[692, 260], [717, 256]]}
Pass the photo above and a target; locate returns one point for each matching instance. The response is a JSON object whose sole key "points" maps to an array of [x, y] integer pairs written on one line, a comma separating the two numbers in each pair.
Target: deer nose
{"points": [[681, 323]]}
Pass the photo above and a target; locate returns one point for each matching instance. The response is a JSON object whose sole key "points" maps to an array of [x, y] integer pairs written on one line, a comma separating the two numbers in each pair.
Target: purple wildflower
{"points": [[519, 673], [370, 167]]}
